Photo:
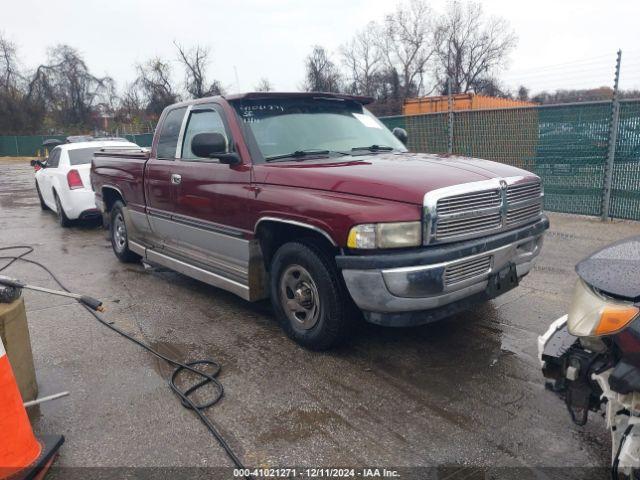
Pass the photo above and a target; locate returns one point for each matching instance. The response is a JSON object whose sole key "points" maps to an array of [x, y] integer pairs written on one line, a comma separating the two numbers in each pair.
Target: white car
{"points": [[63, 183]]}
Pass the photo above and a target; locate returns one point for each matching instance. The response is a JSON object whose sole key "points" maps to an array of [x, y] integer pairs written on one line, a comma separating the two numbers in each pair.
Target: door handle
{"points": [[176, 179]]}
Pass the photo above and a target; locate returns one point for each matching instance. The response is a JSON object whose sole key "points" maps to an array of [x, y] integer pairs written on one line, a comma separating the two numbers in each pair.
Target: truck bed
{"points": [[122, 170]]}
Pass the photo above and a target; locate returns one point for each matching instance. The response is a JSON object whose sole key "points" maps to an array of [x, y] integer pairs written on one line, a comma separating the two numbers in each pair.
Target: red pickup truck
{"points": [[309, 200]]}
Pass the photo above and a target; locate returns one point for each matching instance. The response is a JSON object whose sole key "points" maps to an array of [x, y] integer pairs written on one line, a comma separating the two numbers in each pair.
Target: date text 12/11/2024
{"points": [[316, 473]]}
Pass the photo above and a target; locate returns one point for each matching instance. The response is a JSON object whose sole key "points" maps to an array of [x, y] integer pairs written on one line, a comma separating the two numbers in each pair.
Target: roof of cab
{"points": [[339, 96], [257, 95]]}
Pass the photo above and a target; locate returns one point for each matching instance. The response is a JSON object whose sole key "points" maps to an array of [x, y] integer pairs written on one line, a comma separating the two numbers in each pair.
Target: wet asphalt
{"points": [[466, 391]]}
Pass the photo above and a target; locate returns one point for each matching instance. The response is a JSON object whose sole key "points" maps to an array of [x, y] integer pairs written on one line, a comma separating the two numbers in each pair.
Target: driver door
{"points": [[210, 198]]}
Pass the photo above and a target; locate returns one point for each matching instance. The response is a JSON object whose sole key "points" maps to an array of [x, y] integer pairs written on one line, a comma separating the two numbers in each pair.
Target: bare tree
{"points": [[582, 95], [322, 75], [406, 42], [492, 87], [9, 75], [154, 81], [363, 60], [216, 88], [470, 48], [523, 93], [18, 114], [131, 106], [68, 90], [264, 85], [195, 62]]}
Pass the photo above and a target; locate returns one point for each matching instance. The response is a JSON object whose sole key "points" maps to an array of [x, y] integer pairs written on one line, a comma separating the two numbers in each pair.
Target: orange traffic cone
{"points": [[22, 455]]}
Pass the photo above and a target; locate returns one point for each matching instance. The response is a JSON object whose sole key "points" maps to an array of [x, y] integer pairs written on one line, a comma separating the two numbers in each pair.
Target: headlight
{"points": [[592, 315], [385, 235]]}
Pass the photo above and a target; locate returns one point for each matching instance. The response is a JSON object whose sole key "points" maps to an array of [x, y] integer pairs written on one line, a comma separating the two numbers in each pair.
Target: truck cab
{"points": [[309, 200]]}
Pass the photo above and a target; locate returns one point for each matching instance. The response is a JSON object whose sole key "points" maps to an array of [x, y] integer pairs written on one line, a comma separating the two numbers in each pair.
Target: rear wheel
{"points": [[43, 205], [62, 217], [118, 235], [308, 296]]}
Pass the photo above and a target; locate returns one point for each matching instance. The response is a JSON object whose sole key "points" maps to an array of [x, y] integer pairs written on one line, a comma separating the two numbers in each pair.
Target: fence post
{"points": [[450, 107], [15, 138], [613, 139]]}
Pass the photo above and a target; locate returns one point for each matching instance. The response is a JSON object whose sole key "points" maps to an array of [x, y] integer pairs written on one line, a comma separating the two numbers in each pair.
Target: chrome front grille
{"points": [[467, 202], [518, 215], [454, 227], [460, 272], [480, 208], [519, 193]]}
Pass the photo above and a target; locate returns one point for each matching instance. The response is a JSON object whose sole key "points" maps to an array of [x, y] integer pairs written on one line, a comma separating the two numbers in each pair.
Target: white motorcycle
{"points": [[591, 356]]}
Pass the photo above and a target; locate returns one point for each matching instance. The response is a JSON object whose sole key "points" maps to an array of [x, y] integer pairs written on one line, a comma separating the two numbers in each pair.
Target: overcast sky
{"points": [[562, 43]]}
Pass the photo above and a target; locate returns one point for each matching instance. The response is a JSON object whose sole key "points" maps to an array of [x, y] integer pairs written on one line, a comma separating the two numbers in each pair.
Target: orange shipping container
{"points": [[461, 101]]}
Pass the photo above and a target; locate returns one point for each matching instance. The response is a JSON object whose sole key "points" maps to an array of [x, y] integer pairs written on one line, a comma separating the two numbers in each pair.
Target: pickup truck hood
{"points": [[402, 177]]}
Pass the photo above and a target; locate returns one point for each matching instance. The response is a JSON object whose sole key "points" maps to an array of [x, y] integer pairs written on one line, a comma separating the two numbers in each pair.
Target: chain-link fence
{"points": [[30, 145], [567, 145]]}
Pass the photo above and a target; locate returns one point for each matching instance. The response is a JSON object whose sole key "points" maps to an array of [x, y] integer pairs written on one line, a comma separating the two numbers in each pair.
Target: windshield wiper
{"points": [[374, 148], [301, 153]]}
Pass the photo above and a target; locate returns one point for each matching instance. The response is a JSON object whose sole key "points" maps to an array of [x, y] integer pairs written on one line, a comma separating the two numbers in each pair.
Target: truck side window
{"points": [[54, 158], [201, 121], [168, 138]]}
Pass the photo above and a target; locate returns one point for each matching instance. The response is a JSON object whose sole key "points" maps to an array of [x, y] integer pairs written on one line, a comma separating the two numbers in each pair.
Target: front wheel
{"points": [[118, 234], [308, 296]]}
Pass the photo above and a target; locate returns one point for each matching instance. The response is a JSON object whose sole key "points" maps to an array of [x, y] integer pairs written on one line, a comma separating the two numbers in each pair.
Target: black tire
{"points": [[63, 220], [118, 235], [43, 205], [335, 314]]}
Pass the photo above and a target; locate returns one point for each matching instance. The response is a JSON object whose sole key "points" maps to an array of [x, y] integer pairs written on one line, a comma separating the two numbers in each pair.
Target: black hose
{"points": [[208, 378]]}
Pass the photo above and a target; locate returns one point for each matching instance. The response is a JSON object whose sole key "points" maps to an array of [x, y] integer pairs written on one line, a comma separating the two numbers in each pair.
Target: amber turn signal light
{"points": [[615, 318]]}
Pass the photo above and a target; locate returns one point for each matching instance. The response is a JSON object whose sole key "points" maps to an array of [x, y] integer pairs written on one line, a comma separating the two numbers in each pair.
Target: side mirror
{"points": [[401, 134], [213, 145]]}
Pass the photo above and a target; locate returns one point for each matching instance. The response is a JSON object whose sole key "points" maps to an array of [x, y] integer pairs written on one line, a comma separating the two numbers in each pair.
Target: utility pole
{"points": [[613, 139], [450, 106]]}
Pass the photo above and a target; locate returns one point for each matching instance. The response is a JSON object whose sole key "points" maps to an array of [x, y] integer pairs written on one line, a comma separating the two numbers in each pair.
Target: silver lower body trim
{"points": [[230, 263], [195, 272]]}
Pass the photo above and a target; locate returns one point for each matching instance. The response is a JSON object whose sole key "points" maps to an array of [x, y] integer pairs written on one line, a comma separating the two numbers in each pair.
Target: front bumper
{"points": [[414, 288], [546, 336]]}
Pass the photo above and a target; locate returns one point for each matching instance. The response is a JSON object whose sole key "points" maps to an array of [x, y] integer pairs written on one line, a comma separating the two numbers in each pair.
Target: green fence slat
{"points": [[30, 145]]}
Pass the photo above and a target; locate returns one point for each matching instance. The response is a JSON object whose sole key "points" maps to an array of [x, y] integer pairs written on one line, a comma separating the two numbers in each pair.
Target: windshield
{"points": [[81, 156], [282, 126]]}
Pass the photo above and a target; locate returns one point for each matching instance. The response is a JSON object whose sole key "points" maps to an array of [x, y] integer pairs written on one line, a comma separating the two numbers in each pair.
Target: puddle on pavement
{"points": [[183, 352], [297, 424], [446, 358], [175, 351]]}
